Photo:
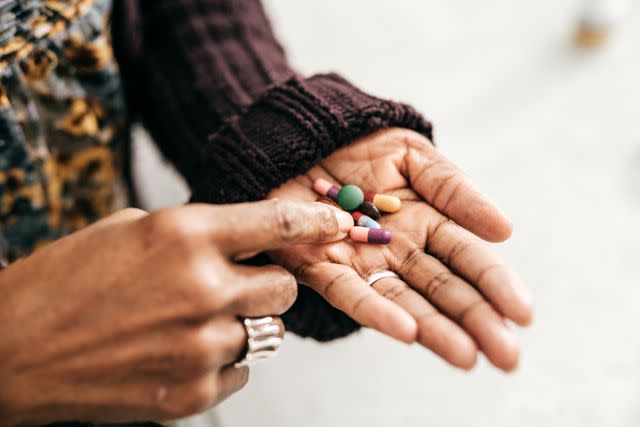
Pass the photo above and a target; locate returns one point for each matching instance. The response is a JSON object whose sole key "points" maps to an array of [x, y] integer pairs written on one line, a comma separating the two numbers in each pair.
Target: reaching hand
{"points": [[136, 316], [453, 294]]}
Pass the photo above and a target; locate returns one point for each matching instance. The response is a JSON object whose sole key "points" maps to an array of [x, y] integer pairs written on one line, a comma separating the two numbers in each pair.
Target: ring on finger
{"points": [[382, 274], [263, 339]]}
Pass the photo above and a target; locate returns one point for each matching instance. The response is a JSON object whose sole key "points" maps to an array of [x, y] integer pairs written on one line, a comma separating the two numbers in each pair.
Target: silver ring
{"points": [[263, 339], [373, 278]]}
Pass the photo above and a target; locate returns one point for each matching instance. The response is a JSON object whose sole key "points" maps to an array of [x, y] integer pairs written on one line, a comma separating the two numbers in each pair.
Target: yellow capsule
{"points": [[384, 202]]}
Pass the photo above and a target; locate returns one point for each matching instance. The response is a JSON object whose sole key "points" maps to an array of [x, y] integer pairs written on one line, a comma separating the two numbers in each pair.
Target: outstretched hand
{"points": [[453, 294]]}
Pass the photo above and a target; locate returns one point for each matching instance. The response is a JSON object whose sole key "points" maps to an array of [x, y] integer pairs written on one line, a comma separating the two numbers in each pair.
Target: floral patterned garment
{"points": [[62, 120]]}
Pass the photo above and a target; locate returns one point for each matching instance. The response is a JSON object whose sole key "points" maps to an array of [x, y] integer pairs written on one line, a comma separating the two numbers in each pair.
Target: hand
{"points": [[454, 293], [136, 317]]}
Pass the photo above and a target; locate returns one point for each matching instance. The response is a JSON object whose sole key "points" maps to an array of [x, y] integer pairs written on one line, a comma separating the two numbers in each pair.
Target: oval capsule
{"points": [[370, 235], [370, 210], [364, 220], [384, 202], [325, 188]]}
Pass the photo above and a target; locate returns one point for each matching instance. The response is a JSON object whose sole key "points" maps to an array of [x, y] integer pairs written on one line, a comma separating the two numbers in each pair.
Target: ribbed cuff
{"points": [[282, 135], [289, 130]]}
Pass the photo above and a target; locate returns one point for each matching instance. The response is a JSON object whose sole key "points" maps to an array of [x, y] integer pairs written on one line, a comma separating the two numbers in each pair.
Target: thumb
{"points": [[276, 224]]}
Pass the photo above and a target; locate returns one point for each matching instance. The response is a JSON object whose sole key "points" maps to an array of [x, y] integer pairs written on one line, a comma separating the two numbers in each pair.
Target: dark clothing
{"points": [[213, 86], [207, 78]]}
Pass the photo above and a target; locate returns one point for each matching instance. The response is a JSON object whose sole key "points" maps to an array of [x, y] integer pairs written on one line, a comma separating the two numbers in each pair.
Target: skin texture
{"points": [[136, 316], [454, 294]]}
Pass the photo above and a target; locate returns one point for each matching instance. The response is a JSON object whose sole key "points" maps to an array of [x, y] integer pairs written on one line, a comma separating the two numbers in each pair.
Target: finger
{"points": [[343, 288], [261, 291], [275, 224], [230, 337], [123, 216], [473, 260], [435, 331], [462, 303], [231, 380], [185, 351], [198, 395], [232, 340], [446, 188]]}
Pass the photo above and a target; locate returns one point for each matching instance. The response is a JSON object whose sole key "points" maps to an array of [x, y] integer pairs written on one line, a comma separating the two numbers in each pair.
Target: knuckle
{"points": [[171, 228], [411, 260], [286, 292], [231, 383], [486, 271], [327, 225], [198, 284], [460, 249], [243, 378], [458, 186], [287, 221], [193, 398], [472, 309], [435, 230], [442, 189], [412, 138], [199, 351], [131, 213], [438, 281], [208, 295], [360, 303], [395, 291], [281, 286]]}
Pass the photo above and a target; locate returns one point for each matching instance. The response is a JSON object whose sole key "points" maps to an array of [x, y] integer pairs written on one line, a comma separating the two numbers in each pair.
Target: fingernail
{"points": [[345, 221]]}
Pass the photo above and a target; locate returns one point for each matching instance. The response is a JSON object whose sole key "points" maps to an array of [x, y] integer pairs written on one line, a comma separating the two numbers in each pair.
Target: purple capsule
{"points": [[325, 188], [332, 193], [370, 235]]}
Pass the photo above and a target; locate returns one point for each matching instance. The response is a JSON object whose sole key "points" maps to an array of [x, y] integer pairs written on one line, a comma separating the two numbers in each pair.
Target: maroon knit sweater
{"points": [[214, 88]]}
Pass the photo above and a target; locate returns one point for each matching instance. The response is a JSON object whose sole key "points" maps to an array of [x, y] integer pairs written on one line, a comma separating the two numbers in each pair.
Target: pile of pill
{"points": [[365, 209]]}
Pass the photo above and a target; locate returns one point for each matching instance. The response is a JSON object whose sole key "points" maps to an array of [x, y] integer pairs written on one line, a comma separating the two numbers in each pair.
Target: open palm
{"points": [[453, 293]]}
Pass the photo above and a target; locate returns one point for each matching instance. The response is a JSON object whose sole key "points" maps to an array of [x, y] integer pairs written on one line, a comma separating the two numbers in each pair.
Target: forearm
{"points": [[189, 66], [219, 97]]}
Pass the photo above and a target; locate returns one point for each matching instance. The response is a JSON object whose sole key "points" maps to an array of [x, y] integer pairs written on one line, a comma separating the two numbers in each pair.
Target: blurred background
{"points": [[552, 133]]}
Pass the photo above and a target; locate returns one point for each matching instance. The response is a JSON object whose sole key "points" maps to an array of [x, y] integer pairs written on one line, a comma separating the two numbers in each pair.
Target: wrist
{"points": [[17, 392], [15, 409], [289, 130]]}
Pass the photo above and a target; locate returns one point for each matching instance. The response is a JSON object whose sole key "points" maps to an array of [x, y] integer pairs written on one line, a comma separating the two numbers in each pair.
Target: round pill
{"points": [[370, 210], [350, 197], [328, 201]]}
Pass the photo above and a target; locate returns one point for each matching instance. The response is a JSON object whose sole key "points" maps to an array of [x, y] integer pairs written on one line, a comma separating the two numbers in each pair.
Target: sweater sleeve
{"points": [[213, 86]]}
